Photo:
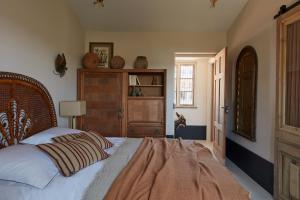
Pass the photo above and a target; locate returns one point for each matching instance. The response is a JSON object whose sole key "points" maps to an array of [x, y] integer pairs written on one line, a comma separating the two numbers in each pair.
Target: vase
{"points": [[141, 62]]}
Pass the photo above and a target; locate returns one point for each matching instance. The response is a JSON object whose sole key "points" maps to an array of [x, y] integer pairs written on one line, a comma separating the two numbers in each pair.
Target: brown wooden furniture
{"points": [[111, 108], [26, 108], [245, 94], [287, 140]]}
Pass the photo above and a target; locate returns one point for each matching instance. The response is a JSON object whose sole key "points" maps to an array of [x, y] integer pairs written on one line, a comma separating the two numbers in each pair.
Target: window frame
{"points": [[178, 65]]}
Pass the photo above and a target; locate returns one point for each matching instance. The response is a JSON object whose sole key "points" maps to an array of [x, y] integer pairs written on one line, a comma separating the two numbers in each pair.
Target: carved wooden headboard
{"points": [[26, 108]]}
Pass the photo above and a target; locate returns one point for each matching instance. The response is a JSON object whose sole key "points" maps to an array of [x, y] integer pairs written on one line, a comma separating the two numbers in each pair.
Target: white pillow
{"points": [[45, 136], [26, 164]]}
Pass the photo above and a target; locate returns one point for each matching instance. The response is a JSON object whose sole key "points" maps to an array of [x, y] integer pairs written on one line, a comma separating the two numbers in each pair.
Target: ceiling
{"points": [[158, 15]]}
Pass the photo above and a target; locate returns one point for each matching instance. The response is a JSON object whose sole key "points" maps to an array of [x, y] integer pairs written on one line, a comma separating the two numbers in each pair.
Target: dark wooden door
{"points": [[103, 93]]}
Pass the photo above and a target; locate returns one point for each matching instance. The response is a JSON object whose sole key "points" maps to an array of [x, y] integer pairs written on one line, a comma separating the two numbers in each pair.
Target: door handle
{"points": [[120, 113], [226, 109]]}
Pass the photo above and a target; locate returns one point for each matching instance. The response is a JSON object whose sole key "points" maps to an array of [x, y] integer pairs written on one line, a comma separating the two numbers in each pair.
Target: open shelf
{"points": [[145, 84]]}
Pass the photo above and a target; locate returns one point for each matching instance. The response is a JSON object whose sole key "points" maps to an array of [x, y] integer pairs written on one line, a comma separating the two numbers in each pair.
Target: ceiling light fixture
{"points": [[98, 3], [213, 3]]}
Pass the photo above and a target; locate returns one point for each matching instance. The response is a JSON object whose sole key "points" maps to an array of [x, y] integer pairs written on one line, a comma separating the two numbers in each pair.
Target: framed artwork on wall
{"points": [[104, 50]]}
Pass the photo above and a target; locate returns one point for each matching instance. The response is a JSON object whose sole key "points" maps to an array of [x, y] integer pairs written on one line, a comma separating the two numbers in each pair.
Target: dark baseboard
{"points": [[259, 169], [170, 136], [191, 133]]}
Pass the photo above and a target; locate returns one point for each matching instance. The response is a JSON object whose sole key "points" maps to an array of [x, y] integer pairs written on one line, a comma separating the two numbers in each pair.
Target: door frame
{"points": [[227, 103]]}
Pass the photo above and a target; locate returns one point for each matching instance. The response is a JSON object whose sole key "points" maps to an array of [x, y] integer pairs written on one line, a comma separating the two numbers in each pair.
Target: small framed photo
{"points": [[104, 50]]}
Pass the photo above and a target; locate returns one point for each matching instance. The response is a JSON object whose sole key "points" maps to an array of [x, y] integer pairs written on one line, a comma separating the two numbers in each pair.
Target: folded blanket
{"points": [[163, 169]]}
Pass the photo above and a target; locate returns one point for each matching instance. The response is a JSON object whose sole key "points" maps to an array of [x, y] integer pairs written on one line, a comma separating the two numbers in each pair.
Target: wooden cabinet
{"points": [[287, 138], [117, 107], [145, 110], [143, 130], [103, 93]]}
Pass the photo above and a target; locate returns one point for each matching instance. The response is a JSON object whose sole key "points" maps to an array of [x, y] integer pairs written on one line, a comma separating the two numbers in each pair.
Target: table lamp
{"points": [[72, 109]]}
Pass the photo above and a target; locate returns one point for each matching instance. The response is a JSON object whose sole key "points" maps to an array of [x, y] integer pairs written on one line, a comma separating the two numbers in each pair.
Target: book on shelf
{"points": [[134, 80]]}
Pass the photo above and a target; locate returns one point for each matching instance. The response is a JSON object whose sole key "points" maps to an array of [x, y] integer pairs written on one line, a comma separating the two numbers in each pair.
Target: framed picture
{"points": [[104, 50]]}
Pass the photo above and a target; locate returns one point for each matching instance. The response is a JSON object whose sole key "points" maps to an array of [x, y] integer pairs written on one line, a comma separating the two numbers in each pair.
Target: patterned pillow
{"points": [[72, 156], [93, 136], [99, 139], [66, 138]]}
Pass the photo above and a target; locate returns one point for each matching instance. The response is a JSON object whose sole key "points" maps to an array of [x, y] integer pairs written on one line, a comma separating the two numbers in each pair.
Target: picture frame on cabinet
{"points": [[104, 50]]}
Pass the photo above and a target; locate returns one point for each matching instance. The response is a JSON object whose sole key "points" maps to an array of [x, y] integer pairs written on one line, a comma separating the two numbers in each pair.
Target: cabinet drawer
{"points": [[145, 131], [146, 111]]}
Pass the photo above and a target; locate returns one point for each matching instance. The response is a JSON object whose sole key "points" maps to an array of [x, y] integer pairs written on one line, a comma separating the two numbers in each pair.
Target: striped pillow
{"points": [[99, 139], [66, 138], [93, 136], [72, 156]]}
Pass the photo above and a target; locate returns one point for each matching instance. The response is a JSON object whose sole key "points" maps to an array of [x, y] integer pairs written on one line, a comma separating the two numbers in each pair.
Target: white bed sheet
{"points": [[60, 188]]}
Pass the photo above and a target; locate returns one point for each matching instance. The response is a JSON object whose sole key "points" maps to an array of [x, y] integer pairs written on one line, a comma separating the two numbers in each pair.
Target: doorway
{"points": [[200, 85], [193, 94]]}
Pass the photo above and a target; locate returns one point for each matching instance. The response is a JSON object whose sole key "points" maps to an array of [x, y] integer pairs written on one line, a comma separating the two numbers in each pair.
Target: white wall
{"points": [[160, 48], [32, 33], [255, 26]]}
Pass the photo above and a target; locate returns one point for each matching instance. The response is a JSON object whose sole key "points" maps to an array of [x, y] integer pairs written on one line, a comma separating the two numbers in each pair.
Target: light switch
{"points": [[294, 181]]}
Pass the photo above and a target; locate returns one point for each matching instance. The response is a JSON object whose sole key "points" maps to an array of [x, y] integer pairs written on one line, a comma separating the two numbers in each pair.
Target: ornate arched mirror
{"points": [[245, 93]]}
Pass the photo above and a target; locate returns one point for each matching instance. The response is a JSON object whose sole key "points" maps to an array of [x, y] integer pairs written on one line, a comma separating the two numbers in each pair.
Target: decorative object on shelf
{"points": [[213, 3], [117, 62], [154, 81], [104, 51], [90, 60], [136, 92], [99, 3], [72, 109], [141, 62], [60, 65]]}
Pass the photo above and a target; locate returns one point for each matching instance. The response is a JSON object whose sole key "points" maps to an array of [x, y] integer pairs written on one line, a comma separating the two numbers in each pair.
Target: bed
{"points": [[25, 100]]}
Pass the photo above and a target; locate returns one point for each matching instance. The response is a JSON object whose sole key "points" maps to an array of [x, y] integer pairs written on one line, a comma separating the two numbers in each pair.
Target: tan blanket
{"points": [[164, 169]]}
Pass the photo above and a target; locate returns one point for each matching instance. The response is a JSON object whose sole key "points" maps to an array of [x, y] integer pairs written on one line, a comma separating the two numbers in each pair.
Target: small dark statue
{"points": [[60, 65], [180, 121]]}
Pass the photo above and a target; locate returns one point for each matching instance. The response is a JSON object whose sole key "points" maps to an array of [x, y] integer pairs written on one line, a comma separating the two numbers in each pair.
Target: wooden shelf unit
{"points": [[112, 110]]}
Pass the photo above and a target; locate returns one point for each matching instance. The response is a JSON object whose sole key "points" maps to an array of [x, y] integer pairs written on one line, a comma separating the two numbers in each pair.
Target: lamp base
{"points": [[72, 122]]}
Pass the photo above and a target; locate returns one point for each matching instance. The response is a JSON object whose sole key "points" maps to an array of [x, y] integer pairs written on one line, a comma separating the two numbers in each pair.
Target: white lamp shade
{"points": [[72, 108]]}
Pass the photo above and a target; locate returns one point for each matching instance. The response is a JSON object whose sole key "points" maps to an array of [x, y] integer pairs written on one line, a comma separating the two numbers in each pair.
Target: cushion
{"points": [[74, 155], [26, 164], [66, 138], [45, 136], [93, 136]]}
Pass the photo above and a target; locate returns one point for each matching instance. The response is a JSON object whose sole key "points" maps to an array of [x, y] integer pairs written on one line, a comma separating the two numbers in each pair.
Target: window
{"points": [[184, 85]]}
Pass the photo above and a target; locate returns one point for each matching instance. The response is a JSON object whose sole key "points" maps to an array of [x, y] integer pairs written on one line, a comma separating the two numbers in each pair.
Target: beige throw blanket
{"points": [[164, 169]]}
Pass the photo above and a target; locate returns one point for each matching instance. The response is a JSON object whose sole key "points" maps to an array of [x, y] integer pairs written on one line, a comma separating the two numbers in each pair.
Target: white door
{"points": [[220, 108]]}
